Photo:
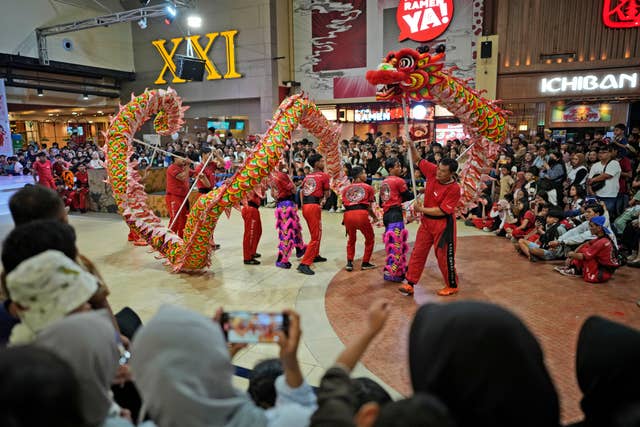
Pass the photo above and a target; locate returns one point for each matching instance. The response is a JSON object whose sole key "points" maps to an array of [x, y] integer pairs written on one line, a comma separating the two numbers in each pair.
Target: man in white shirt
{"points": [[212, 138], [607, 170]]}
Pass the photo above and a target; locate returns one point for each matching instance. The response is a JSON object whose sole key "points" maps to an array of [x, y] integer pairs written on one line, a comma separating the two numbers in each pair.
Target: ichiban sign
{"points": [[201, 52], [589, 83], [423, 20]]}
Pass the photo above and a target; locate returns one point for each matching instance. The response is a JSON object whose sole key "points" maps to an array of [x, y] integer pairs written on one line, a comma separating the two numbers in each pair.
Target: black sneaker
{"points": [[319, 259], [349, 266], [257, 255], [305, 269], [368, 266], [251, 262], [300, 252]]}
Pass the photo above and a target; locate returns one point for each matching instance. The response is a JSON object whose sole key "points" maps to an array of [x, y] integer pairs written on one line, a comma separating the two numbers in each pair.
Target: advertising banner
{"points": [[448, 131], [423, 20], [579, 113], [6, 145]]}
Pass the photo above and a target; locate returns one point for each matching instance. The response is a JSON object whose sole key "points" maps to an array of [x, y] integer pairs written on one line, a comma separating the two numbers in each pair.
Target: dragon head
{"points": [[407, 73]]}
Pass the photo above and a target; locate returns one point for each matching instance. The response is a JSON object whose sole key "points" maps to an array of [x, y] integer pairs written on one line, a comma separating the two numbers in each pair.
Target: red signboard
{"points": [[621, 13], [423, 20]]}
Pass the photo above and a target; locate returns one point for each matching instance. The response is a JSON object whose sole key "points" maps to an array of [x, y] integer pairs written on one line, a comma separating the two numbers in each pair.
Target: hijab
{"points": [[608, 369], [182, 368], [87, 342], [483, 363]]}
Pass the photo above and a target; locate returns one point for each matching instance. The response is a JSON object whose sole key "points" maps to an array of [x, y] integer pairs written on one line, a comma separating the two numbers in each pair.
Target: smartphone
{"points": [[250, 327]]}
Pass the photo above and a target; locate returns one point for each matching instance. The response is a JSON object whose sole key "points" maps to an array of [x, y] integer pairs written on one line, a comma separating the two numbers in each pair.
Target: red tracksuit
{"points": [[446, 197], [44, 172], [177, 191], [252, 227], [313, 188], [356, 199], [599, 261], [210, 173], [80, 194]]}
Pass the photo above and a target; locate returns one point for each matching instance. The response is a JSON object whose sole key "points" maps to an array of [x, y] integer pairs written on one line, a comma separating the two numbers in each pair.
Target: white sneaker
{"points": [[332, 210]]}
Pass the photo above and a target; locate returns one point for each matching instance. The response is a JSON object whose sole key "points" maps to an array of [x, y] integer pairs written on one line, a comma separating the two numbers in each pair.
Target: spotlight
{"points": [[170, 14], [194, 21], [142, 24], [85, 96], [419, 112], [40, 92]]}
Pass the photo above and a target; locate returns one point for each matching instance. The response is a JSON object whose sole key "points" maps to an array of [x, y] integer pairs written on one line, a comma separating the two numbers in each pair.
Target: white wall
{"points": [[109, 47]]}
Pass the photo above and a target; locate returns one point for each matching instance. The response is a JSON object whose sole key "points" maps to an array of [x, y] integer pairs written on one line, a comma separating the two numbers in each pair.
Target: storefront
{"points": [[570, 103]]}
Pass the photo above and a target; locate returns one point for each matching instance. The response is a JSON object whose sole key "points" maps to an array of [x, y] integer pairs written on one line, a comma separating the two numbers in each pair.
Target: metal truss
{"points": [[102, 21]]}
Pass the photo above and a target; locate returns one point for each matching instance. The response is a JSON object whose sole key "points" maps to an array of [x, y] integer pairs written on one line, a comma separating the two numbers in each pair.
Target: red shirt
{"points": [[82, 178], [625, 166], [255, 199], [43, 170], [600, 249], [175, 187], [391, 192], [358, 194], [282, 187], [209, 173], [315, 184], [437, 195]]}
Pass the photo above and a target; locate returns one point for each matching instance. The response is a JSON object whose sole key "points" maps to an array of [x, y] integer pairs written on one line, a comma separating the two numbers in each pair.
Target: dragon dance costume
{"points": [[393, 192], [287, 220]]}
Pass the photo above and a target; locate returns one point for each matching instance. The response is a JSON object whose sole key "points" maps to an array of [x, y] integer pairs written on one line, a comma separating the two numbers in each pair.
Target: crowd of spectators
{"points": [[73, 363]]}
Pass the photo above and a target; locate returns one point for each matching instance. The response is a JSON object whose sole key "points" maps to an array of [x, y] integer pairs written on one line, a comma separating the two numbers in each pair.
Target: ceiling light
{"points": [[90, 121], [194, 21], [99, 111], [170, 14], [74, 113], [40, 92], [85, 96], [50, 114], [142, 23]]}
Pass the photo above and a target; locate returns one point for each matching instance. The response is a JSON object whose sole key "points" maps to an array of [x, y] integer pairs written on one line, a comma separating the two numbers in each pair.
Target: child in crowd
{"points": [[550, 232]]}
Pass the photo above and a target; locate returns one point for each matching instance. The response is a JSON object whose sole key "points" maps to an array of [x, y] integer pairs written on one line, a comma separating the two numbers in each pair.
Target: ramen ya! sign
{"points": [[423, 20]]}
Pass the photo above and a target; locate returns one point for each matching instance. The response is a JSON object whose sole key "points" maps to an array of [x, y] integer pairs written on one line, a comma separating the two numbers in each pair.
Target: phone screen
{"points": [[253, 327]]}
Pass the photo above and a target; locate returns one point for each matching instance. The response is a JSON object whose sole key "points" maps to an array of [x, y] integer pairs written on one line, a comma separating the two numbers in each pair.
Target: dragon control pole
{"points": [[406, 136]]}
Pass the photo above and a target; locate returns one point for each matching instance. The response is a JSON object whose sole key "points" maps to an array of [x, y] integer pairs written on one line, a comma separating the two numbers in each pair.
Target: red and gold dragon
{"points": [[417, 75]]}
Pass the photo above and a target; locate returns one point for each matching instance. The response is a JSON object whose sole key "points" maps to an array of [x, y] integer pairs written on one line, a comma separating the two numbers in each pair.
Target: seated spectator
{"points": [[38, 388], [577, 194], [548, 233], [420, 410], [611, 396], [338, 402], [262, 381], [87, 342], [183, 371], [596, 260], [504, 384], [577, 170], [526, 222], [46, 288]]}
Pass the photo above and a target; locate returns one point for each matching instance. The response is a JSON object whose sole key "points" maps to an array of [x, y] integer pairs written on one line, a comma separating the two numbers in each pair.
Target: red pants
{"points": [[79, 198], [516, 232], [313, 215], [47, 181], [359, 220], [173, 204], [592, 272], [429, 235], [252, 231]]}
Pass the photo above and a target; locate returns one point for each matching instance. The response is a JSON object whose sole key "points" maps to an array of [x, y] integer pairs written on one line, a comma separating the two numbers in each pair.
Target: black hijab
{"points": [[484, 364], [608, 368]]}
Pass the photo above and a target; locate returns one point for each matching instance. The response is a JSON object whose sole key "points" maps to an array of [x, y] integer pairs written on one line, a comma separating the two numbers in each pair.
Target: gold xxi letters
{"points": [[202, 53]]}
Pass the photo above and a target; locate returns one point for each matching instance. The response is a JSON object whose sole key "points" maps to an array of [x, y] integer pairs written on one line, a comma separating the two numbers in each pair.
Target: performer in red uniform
{"points": [[438, 224], [287, 220], [315, 189], [207, 179], [178, 174], [393, 192], [41, 169], [82, 189], [595, 260], [252, 230], [357, 199]]}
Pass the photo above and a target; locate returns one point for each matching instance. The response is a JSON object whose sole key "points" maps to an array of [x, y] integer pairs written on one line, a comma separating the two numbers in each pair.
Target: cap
{"points": [[600, 221]]}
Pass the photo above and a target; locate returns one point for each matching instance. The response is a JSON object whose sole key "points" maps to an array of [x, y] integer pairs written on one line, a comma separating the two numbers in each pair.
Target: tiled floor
{"points": [[553, 306]]}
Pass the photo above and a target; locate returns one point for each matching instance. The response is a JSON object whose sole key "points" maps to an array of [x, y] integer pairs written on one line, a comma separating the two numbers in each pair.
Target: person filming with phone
{"points": [[182, 366]]}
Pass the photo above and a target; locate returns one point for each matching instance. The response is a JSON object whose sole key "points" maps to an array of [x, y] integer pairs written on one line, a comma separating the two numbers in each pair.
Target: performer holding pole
{"points": [[438, 224], [207, 171], [178, 174], [252, 230], [287, 220], [315, 190], [393, 192], [357, 199]]}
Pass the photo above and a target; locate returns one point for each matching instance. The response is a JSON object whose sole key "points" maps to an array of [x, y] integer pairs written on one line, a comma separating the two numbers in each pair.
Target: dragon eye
{"points": [[406, 62]]}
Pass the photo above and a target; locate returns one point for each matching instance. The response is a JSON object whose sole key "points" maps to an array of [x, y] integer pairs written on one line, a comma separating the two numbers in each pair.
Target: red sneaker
{"points": [[406, 289], [446, 291]]}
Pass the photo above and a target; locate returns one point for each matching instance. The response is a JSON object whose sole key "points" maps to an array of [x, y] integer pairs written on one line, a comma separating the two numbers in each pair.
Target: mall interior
{"points": [[160, 160]]}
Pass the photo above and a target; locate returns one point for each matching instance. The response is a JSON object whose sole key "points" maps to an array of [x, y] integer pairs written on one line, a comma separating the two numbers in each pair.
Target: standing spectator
{"points": [[619, 139], [95, 162], [576, 170], [626, 173], [506, 182], [604, 179], [42, 172]]}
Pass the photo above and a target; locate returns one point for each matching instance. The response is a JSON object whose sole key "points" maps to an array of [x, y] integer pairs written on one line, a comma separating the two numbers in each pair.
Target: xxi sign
{"points": [[201, 52]]}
